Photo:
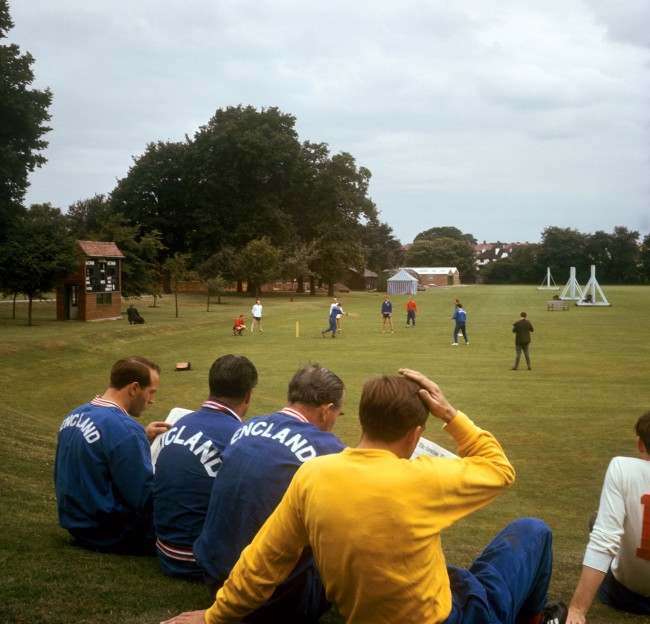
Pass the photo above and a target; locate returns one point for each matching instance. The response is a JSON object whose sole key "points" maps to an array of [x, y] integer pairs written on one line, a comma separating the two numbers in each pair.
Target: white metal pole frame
{"points": [[548, 283], [593, 294], [572, 290]]}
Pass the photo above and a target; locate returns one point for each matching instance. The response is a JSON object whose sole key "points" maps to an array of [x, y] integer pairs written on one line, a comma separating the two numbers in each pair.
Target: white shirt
{"points": [[616, 536], [256, 310]]}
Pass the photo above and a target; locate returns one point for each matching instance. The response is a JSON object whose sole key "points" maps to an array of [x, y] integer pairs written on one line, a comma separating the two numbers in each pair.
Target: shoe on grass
{"points": [[454, 344], [554, 613]]}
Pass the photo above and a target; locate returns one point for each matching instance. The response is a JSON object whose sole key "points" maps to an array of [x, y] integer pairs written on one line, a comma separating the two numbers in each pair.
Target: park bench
{"points": [[557, 304]]}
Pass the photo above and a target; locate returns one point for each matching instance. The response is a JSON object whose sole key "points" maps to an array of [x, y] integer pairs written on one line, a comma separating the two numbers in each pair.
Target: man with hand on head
{"points": [[374, 518], [616, 565], [258, 466], [190, 458], [102, 470]]}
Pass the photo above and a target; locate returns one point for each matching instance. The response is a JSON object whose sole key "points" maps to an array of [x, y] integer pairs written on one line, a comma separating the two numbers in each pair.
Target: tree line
{"points": [[621, 257]]}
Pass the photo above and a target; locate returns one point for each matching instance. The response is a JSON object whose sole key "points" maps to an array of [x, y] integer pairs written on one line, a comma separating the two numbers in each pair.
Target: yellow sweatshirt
{"points": [[374, 522]]}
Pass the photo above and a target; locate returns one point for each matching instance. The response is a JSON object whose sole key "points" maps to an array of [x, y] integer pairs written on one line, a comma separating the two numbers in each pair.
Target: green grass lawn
{"points": [[559, 424]]}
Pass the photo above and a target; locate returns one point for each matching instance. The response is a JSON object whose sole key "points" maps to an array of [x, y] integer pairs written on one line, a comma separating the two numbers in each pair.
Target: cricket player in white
{"points": [[256, 311], [616, 565]]}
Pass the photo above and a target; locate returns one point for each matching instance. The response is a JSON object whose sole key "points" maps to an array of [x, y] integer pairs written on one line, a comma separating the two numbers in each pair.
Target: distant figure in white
{"points": [[256, 312]]}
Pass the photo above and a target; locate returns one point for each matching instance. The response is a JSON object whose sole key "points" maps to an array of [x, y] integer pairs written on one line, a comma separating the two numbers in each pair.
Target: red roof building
{"points": [[93, 291]]}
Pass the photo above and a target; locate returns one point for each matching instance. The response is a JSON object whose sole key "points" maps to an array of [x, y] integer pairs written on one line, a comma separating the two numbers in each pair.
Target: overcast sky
{"points": [[489, 115]]}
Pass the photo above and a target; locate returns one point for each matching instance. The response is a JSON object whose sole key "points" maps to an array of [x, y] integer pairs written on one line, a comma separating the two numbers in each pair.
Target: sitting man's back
{"points": [[102, 471], [190, 458], [258, 465]]}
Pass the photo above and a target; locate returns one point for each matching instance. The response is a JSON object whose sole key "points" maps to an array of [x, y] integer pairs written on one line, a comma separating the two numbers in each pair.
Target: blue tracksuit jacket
{"points": [[102, 473], [189, 460], [258, 466]]}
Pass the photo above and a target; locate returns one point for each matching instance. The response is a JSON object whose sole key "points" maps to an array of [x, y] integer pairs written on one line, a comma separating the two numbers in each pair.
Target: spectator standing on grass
{"points": [[616, 565], [102, 470], [374, 520], [256, 312], [258, 465], [387, 315], [411, 309], [522, 330], [460, 317], [190, 458]]}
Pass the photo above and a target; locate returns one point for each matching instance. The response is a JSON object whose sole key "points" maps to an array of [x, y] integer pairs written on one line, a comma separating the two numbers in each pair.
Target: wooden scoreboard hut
{"points": [[93, 292]]}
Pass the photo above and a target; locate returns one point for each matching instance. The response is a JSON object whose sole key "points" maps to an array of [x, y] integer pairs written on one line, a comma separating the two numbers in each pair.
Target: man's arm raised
{"points": [[482, 471]]}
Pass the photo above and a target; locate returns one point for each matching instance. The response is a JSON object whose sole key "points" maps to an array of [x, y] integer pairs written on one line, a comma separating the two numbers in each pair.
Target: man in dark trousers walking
{"points": [[522, 329]]}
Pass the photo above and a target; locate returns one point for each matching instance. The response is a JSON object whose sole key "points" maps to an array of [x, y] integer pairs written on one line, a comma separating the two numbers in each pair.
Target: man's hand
{"points": [[576, 617], [431, 395], [155, 428], [189, 617]]}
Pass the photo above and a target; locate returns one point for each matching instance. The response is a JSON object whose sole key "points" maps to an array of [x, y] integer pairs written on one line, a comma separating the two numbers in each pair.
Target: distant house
{"points": [[360, 280], [484, 253], [435, 276], [93, 291]]}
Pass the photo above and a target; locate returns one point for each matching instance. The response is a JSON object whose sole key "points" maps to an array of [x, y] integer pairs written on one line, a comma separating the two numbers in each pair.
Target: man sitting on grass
{"points": [[190, 458], [374, 518], [616, 565], [258, 466], [102, 470]]}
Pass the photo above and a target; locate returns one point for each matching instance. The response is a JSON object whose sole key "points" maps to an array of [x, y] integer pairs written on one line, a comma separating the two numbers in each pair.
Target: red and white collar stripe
{"points": [[220, 407], [101, 402], [289, 411]]}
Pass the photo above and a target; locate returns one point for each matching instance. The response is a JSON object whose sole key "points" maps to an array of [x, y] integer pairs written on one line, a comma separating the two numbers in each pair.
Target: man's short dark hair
{"points": [[642, 429], [232, 377], [523, 315], [315, 385], [130, 369], [390, 406]]}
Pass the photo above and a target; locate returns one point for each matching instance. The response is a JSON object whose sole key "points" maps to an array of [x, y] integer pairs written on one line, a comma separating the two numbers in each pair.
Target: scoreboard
{"points": [[102, 275]]}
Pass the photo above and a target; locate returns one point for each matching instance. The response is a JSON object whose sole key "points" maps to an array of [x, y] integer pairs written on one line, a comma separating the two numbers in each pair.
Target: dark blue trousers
{"points": [[509, 580], [614, 594]]}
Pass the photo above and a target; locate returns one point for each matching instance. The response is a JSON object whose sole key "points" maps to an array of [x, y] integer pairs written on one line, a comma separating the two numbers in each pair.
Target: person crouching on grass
{"points": [[374, 521], [239, 325]]}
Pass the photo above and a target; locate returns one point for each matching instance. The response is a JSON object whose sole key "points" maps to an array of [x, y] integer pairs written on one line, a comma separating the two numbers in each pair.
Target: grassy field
{"points": [[560, 424]]}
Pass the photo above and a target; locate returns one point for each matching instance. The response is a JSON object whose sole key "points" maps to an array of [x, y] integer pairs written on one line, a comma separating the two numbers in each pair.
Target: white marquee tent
{"points": [[402, 283]]}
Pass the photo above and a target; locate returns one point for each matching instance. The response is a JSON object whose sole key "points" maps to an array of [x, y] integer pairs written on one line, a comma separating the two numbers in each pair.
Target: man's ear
{"points": [[641, 446], [247, 397], [133, 388]]}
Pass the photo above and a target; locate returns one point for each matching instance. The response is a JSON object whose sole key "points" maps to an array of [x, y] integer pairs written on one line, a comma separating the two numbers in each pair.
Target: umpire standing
{"points": [[522, 329]]}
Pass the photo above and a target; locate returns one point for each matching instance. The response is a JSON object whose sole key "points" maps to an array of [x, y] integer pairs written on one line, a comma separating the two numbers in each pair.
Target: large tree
{"points": [[24, 112], [562, 248], [39, 253], [258, 263], [383, 250], [244, 164], [445, 231], [156, 195], [443, 252]]}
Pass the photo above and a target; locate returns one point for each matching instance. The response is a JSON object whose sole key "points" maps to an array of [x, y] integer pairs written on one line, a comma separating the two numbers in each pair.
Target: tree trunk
{"points": [[208, 309], [312, 286], [330, 289], [13, 307], [29, 311], [218, 298], [240, 286], [301, 285], [155, 298], [176, 301]]}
